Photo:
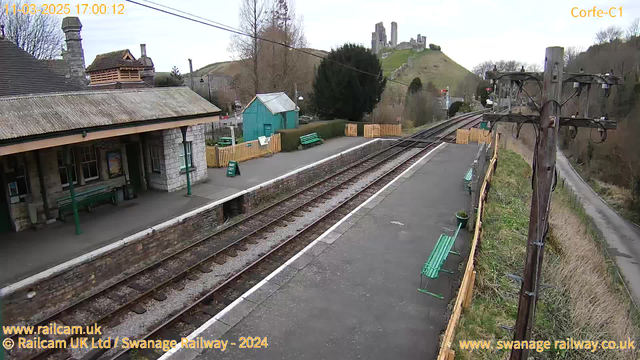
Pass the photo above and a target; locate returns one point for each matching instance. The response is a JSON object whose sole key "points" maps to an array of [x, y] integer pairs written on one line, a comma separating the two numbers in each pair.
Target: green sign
{"points": [[233, 169]]}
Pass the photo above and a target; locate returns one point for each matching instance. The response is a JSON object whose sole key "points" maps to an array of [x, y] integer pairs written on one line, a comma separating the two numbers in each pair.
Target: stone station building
{"points": [[119, 141]]}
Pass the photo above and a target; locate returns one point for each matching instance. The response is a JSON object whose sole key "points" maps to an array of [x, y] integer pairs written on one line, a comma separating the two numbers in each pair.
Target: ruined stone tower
{"points": [[394, 34]]}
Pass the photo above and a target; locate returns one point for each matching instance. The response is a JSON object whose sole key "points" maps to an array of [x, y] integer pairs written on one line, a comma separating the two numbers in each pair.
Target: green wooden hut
{"points": [[267, 113]]}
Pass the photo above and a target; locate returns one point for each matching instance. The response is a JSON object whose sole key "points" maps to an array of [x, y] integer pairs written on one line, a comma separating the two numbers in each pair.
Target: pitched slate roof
{"points": [[21, 73], [113, 60], [276, 102], [23, 116]]}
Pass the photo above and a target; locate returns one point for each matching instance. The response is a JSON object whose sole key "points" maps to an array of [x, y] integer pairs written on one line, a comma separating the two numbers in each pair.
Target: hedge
{"points": [[290, 138]]}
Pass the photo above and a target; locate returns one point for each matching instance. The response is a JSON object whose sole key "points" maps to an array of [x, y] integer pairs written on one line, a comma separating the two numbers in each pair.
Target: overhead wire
{"points": [[220, 26]]}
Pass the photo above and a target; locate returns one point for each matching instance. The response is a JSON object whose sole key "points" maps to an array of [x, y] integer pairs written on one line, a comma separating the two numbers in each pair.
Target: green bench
{"points": [[433, 266], [85, 199], [310, 139], [467, 179], [225, 141]]}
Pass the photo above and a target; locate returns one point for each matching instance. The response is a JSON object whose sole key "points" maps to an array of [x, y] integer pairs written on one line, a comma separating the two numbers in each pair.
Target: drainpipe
{"points": [[72, 193], [186, 160], [43, 188]]}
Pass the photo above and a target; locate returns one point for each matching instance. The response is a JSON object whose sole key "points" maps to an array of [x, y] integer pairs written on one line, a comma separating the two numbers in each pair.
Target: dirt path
{"points": [[623, 237]]}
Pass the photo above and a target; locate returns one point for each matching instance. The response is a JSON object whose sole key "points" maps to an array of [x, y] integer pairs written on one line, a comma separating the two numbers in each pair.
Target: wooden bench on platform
{"points": [[467, 179], [85, 199], [433, 266], [310, 139]]}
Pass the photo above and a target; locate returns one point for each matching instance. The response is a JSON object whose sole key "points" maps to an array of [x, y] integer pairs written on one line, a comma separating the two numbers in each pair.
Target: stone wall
{"points": [[172, 141], [308, 176], [95, 272]]}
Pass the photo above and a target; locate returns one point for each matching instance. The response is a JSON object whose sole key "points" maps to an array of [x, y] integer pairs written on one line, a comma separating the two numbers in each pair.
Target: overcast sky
{"points": [[468, 31]]}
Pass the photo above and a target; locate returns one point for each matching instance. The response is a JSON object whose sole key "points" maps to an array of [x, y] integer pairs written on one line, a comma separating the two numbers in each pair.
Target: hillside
{"points": [[428, 65], [234, 67]]}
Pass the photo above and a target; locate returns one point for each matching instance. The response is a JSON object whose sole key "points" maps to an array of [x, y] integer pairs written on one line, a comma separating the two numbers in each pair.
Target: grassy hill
{"points": [[233, 67], [428, 65]]}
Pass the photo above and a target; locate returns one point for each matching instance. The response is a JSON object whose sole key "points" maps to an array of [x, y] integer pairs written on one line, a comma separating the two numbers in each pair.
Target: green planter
{"points": [[462, 220]]}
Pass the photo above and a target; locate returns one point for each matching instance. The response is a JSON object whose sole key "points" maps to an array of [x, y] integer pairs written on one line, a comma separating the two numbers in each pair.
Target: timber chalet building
{"points": [[107, 138]]}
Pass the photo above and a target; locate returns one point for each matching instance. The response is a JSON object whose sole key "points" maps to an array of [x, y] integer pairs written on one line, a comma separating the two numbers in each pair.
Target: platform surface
{"points": [[28, 252], [353, 295]]}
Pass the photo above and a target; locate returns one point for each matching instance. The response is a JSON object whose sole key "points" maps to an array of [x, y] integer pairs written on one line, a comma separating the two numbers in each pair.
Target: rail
{"points": [[162, 328], [243, 236]]}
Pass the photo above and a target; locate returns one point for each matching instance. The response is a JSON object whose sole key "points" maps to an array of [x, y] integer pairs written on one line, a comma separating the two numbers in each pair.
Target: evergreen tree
{"points": [[341, 92]]}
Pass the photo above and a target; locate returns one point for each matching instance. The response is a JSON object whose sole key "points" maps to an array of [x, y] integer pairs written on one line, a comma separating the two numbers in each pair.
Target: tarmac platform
{"points": [[352, 293], [29, 252]]}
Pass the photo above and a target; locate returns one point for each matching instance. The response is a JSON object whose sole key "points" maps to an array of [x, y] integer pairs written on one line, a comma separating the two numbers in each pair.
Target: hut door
{"points": [[267, 130]]}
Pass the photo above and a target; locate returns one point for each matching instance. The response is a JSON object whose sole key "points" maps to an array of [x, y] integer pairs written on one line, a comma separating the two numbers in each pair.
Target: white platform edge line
{"points": [[9, 289], [242, 297]]}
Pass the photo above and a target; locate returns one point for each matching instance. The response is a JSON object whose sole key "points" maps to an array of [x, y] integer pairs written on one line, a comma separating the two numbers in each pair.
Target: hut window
{"points": [[89, 163], [156, 158], [189, 158], [62, 169]]}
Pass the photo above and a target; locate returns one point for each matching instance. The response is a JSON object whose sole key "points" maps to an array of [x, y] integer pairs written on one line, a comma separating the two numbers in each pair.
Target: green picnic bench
{"points": [[467, 179], [433, 266], [225, 141], [85, 199], [310, 139]]}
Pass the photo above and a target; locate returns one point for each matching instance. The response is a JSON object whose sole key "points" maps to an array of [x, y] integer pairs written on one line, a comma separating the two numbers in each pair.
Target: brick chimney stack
{"points": [[74, 55]]}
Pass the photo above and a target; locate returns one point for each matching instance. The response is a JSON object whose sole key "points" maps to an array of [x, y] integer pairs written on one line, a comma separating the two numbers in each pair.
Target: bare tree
{"points": [[467, 87], [533, 67], [482, 68], [634, 29], [610, 34], [282, 67], [246, 48], [38, 34], [571, 53]]}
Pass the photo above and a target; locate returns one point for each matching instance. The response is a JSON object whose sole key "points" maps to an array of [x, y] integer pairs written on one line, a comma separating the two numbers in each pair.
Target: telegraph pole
{"points": [[544, 171], [544, 168]]}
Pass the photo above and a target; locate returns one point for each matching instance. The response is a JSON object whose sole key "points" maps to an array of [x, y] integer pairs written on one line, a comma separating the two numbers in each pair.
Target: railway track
{"points": [[109, 307]]}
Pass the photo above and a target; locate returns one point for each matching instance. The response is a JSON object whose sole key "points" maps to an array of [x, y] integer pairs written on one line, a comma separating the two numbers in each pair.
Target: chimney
{"points": [[149, 71], [74, 56]]}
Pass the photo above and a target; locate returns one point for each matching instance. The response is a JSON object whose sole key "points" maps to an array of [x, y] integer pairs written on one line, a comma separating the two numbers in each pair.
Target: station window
{"points": [[189, 157], [89, 162], [62, 169], [17, 179], [156, 158]]}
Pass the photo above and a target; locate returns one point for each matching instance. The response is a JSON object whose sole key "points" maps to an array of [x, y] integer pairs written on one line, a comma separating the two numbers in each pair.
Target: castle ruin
{"points": [[379, 40]]}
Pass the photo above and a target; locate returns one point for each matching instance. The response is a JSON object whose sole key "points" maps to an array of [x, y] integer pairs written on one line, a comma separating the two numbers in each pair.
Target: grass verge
{"points": [[587, 301]]}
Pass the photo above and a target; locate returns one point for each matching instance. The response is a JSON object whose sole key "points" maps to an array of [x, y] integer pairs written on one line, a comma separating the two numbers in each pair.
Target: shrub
{"points": [[290, 138], [434, 47]]}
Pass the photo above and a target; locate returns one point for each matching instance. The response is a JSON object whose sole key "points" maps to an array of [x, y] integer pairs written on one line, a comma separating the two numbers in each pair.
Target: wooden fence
{"points": [[378, 130], [464, 136], [220, 157], [465, 295], [351, 130]]}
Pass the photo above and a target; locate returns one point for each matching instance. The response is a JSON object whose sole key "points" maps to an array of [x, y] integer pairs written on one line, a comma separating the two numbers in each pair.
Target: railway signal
{"points": [[548, 122]]}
